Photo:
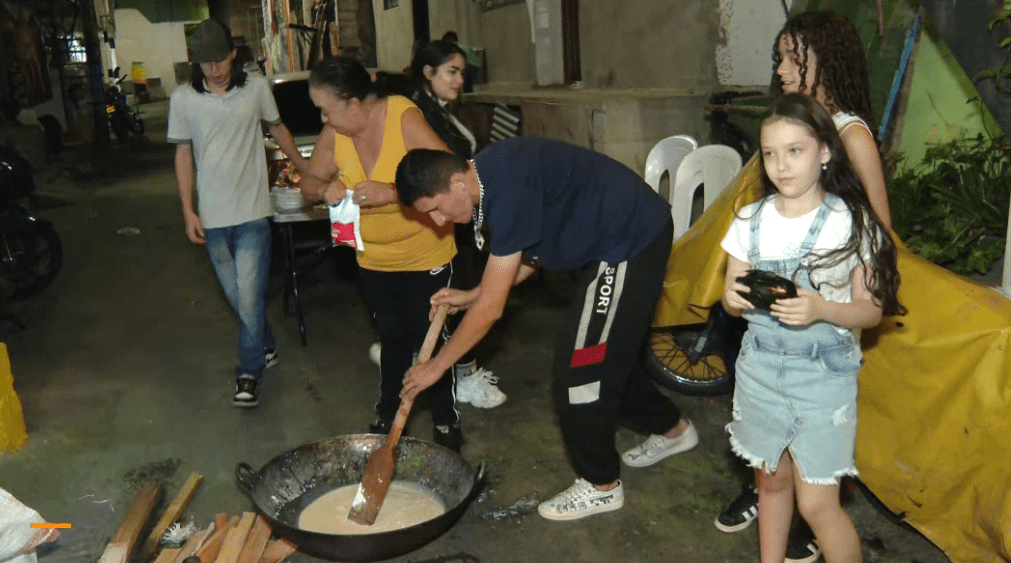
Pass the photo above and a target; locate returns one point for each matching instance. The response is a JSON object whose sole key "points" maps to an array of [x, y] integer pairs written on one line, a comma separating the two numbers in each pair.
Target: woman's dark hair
{"points": [[347, 79], [238, 76], [426, 173], [436, 54], [838, 177], [841, 66]]}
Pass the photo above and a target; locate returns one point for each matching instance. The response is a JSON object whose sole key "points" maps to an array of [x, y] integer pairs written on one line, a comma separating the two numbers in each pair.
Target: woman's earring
{"points": [[824, 166]]}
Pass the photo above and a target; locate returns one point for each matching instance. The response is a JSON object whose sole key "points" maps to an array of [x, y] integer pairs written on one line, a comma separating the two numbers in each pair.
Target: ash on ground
{"points": [[516, 511]]}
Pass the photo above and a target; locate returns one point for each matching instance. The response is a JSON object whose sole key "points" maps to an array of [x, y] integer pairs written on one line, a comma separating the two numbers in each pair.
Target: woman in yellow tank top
{"points": [[406, 257]]}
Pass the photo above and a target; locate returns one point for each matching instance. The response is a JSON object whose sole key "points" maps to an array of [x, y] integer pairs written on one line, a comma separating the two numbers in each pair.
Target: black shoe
{"points": [[448, 436], [741, 512], [801, 547], [380, 426], [245, 391], [270, 358]]}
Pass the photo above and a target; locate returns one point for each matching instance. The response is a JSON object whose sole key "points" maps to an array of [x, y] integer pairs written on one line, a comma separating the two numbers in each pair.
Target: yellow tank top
{"points": [[396, 238]]}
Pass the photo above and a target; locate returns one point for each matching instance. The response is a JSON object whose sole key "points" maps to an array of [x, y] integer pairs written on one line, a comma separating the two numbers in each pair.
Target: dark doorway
{"points": [[572, 65], [422, 33]]}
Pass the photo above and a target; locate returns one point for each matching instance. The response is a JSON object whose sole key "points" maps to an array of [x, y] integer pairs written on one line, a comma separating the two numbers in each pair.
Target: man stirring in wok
{"points": [[557, 206]]}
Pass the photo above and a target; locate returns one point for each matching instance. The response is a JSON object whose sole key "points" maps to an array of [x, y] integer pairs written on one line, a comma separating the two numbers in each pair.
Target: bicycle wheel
{"points": [[136, 125], [32, 256], [670, 366]]}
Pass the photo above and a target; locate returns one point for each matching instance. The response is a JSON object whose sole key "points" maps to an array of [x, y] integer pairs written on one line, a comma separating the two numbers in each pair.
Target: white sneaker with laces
{"points": [[658, 447], [580, 500], [479, 390], [376, 353]]}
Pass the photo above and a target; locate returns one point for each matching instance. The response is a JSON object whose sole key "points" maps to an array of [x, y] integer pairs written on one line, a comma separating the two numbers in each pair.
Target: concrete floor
{"points": [[125, 372]]}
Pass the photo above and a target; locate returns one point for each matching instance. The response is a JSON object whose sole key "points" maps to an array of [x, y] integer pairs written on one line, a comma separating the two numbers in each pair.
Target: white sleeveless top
{"points": [[843, 120]]}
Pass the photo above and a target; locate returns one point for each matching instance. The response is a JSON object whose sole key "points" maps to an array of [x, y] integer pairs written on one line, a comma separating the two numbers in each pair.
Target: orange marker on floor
{"points": [[61, 525]]}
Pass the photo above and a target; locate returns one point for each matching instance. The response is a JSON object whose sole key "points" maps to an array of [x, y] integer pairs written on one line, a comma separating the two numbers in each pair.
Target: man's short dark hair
{"points": [[425, 173]]}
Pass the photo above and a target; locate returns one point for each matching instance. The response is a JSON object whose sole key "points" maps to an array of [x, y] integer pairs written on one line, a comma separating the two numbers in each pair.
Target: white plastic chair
{"points": [[666, 156], [712, 167]]}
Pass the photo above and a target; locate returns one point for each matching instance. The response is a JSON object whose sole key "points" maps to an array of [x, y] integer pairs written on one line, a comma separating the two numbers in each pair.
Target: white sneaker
{"points": [[657, 447], [479, 390], [580, 500], [376, 352]]}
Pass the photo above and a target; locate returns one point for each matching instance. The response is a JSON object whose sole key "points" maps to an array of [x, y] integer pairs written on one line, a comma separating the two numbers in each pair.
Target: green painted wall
{"points": [[939, 107], [160, 11]]}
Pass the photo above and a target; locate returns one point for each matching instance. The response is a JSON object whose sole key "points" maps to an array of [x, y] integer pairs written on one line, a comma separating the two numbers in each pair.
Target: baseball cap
{"points": [[211, 41]]}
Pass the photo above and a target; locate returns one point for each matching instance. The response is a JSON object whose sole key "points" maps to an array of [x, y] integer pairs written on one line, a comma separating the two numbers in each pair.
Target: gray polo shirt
{"points": [[228, 149]]}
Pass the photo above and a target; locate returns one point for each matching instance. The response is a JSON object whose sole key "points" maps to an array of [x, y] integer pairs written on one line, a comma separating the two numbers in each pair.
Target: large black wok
{"points": [[283, 487]]}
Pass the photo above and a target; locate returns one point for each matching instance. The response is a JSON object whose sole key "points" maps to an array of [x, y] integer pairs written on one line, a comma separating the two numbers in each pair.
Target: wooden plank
{"points": [[123, 542], [168, 555], [170, 516], [220, 519], [204, 536], [256, 541], [277, 551], [192, 545], [212, 547], [236, 538]]}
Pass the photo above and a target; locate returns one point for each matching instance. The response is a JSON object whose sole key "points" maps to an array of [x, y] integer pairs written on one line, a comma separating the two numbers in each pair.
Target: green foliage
{"points": [[952, 208], [1003, 70]]}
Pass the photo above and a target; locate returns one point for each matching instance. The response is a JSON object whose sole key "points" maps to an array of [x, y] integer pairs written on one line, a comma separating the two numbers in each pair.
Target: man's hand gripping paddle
{"points": [[379, 471]]}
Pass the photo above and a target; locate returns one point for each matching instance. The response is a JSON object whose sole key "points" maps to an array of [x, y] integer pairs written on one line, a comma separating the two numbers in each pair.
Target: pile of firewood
{"points": [[240, 539]]}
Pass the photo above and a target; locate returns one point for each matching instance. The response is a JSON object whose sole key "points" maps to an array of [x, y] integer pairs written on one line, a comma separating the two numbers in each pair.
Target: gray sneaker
{"points": [[580, 500], [658, 447]]}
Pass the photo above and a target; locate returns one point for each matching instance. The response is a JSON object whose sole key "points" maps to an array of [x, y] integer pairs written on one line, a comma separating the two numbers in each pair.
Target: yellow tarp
{"points": [[934, 423], [12, 421]]}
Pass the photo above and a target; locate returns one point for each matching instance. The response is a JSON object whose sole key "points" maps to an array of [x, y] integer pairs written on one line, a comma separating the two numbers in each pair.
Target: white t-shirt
{"points": [[228, 149], [780, 238]]}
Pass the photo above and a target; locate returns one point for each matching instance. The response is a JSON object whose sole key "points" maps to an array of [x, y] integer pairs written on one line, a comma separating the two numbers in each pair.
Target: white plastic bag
{"points": [[18, 539], [345, 222]]}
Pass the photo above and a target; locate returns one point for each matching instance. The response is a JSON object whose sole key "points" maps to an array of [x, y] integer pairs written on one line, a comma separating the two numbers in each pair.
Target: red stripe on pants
{"points": [[587, 356]]}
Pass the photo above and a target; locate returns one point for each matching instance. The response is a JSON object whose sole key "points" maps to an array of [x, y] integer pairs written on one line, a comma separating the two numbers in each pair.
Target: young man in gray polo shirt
{"points": [[215, 124]]}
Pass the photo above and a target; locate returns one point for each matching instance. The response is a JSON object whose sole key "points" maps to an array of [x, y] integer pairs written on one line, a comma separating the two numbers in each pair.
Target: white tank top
{"points": [[843, 120]]}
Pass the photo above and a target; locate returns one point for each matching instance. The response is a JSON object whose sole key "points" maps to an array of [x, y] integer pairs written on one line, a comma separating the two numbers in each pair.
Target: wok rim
{"points": [[312, 543]]}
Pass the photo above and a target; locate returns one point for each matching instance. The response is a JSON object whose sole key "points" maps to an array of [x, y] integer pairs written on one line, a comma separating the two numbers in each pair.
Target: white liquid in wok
{"points": [[406, 504]]}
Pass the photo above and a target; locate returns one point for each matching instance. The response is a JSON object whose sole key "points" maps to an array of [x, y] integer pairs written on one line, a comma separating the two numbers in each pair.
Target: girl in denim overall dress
{"points": [[796, 387]]}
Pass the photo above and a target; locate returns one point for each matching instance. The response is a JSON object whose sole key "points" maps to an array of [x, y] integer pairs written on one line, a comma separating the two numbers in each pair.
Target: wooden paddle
{"points": [[379, 470]]}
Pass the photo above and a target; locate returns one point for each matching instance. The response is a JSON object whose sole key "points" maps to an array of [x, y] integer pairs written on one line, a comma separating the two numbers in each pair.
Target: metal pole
{"points": [[96, 84], [1006, 286]]}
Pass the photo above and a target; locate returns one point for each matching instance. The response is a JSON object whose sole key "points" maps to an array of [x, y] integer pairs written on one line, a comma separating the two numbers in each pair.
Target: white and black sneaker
{"points": [[245, 391], [741, 513], [270, 357], [580, 500], [801, 547]]}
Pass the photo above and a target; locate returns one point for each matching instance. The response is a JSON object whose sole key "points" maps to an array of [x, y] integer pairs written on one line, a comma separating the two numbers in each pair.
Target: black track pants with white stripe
{"points": [[598, 376]]}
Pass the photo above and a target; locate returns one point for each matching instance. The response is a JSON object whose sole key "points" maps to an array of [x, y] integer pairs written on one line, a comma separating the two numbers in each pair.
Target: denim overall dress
{"points": [[796, 387]]}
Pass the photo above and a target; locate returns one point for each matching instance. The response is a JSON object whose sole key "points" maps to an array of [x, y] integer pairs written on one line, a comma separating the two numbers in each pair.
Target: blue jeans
{"points": [[241, 258]]}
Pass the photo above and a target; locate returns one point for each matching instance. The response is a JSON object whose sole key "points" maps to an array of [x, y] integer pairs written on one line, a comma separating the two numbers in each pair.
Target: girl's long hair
{"points": [[840, 63], [838, 178], [434, 55]]}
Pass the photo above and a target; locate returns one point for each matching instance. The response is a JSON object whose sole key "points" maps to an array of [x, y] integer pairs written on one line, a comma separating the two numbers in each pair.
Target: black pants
{"points": [[598, 376], [468, 268], [399, 302]]}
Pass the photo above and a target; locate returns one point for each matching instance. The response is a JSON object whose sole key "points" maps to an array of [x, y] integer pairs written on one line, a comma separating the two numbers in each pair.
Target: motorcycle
{"points": [[122, 118], [31, 253]]}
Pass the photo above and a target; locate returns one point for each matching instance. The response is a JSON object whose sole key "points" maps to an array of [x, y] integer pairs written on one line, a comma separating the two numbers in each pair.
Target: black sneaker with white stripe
{"points": [[740, 513], [801, 547], [245, 391], [270, 358]]}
